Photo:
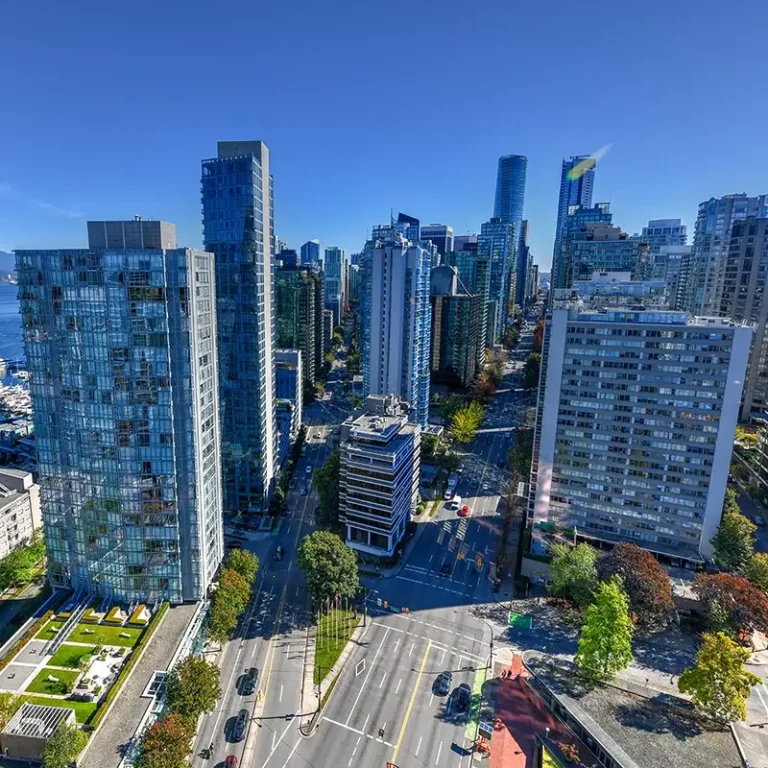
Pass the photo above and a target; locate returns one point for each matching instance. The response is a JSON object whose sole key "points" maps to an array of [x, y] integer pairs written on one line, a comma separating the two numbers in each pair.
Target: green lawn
{"points": [[46, 634], [83, 710], [333, 631], [70, 655], [41, 684], [103, 635]]}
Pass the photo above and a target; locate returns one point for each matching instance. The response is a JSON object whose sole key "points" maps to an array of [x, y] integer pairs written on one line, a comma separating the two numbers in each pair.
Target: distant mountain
{"points": [[7, 262]]}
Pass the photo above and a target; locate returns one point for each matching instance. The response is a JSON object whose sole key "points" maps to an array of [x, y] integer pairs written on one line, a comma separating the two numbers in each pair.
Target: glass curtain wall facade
{"points": [[121, 348], [577, 180], [237, 216]]}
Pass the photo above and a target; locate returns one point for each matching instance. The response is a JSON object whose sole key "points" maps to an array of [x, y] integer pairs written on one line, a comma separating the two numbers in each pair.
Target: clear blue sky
{"points": [[106, 109]]}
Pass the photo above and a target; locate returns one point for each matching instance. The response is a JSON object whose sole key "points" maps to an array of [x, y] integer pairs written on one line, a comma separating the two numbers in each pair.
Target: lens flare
{"points": [[588, 163]]}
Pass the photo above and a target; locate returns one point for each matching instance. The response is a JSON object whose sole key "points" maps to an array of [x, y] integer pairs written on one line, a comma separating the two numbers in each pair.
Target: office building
{"points": [[379, 475], [577, 220], [333, 268], [353, 284], [237, 230], [474, 273], [532, 287], [137, 233], [509, 199], [660, 232], [635, 422], [496, 242], [439, 234], [461, 242], [19, 509], [711, 238], [577, 180], [669, 263], [744, 298], [289, 387], [408, 226], [456, 330], [310, 252], [524, 262], [121, 345], [296, 302], [328, 327], [396, 313], [286, 258]]}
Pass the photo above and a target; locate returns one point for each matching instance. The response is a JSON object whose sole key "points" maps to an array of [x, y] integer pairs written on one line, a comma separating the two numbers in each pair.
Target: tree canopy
{"points": [[731, 602], [466, 421], [734, 541], [9, 705], [243, 562], [531, 371], [329, 566], [718, 683], [757, 571], [19, 565], [166, 744], [645, 582], [572, 573], [326, 481], [605, 643], [64, 746], [231, 598], [193, 688]]}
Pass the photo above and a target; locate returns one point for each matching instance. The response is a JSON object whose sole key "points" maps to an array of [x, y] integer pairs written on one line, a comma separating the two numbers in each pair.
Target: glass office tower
{"points": [[121, 348], [510, 189], [237, 229], [577, 180]]}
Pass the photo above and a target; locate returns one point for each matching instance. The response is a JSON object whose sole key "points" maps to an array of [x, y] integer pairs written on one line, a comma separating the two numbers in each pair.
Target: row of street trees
{"points": [[466, 421], [233, 593]]}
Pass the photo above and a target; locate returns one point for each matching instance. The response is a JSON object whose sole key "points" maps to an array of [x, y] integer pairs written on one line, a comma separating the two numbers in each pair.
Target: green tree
{"points": [[734, 541], [605, 643], [193, 688], [718, 683], [20, 565], [166, 744], [243, 562], [531, 371], [9, 705], [64, 746], [466, 421], [428, 446], [326, 481], [757, 571], [234, 588], [329, 566], [222, 619], [572, 573], [277, 502], [230, 600]]}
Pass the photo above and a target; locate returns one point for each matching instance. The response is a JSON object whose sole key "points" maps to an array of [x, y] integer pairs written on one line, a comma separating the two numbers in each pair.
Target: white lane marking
{"points": [[365, 682], [398, 685], [418, 747], [382, 680], [357, 744], [365, 724], [274, 740], [760, 696], [287, 650], [280, 741], [430, 560], [439, 750], [431, 699], [413, 645], [295, 747], [442, 657], [281, 692], [397, 644]]}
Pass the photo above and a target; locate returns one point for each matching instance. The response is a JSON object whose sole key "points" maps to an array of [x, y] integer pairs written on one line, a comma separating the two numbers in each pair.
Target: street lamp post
{"points": [[489, 668]]}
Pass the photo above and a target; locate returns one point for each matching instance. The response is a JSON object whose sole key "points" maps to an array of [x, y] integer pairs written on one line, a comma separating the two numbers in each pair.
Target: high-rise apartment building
{"points": [[460, 242], [298, 291], [524, 262], [577, 180], [136, 233], [743, 297], [669, 263], [353, 283], [576, 221], [441, 235], [711, 238], [456, 329], [509, 199], [661, 232], [408, 226], [333, 268], [379, 475], [121, 345], [396, 315], [289, 389], [496, 242], [310, 252], [238, 230], [635, 422]]}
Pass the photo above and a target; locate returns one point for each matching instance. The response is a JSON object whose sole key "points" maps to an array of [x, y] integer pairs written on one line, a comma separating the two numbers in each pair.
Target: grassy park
{"points": [[64, 683], [333, 631]]}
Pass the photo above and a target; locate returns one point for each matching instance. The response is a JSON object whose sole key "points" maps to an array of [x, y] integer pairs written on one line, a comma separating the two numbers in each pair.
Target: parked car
{"points": [[463, 697], [443, 683], [464, 511], [238, 730], [249, 684]]}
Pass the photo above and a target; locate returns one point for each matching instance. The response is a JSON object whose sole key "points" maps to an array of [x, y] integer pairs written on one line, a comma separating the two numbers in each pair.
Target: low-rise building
{"points": [[19, 509], [30, 728], [380, 461]]}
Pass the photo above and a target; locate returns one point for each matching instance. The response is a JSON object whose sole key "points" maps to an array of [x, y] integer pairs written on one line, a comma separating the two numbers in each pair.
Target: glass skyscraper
{"points": [[237, 230], [509, 200], [121, 345], [310, 252], [577, 179]]}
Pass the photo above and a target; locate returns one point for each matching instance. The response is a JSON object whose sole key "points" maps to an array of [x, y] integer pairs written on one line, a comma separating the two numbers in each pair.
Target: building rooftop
{"points": [[38, 721]]}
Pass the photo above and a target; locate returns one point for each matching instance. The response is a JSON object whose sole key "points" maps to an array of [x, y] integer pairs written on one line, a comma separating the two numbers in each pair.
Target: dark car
{"points": [[463, 697], [238, 730], [445, 569], [230, 762], [279, 552], [249, 684], [443, 683]]}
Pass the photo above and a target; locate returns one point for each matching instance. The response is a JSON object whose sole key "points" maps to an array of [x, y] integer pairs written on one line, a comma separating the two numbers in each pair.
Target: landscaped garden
{"points": [[71, 656], [98, 634], [54, 682], [50, 630]]}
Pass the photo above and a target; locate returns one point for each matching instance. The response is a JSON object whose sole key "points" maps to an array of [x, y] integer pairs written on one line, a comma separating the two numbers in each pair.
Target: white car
{"points": [[309, 470]]}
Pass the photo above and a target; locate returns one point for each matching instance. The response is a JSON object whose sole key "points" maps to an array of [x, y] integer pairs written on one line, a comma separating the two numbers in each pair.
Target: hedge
{"points": [[136, 654], [30, 633]]}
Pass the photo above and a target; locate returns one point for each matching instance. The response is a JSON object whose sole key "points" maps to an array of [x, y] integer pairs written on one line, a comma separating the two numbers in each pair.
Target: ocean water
{"points": [[11, 345]]}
